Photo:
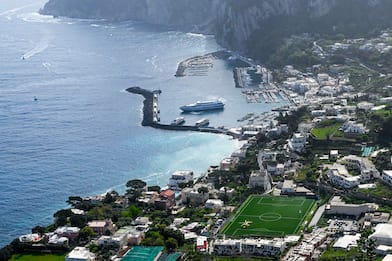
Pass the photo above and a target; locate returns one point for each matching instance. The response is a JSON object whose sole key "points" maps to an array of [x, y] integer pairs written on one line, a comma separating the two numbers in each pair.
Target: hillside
{"points": [[253, 27]]}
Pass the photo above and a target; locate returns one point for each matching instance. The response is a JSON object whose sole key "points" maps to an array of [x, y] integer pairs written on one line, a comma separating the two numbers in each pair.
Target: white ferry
{"points": [[202, 122], [203, 106], [178, 121]]}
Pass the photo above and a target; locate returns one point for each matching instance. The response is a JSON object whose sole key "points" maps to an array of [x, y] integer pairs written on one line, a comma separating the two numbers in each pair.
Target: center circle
{"points": [[270, 216]]}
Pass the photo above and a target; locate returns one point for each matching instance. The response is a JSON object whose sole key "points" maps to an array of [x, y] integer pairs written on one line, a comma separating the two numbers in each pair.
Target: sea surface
{"points": [[67, 127]]}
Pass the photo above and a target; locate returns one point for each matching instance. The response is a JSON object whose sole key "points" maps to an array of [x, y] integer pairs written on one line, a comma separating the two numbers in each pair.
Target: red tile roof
{"points": [[167, 193]]}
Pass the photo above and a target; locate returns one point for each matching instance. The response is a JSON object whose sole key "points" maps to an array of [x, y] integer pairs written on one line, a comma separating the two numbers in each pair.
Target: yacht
{"points": [[202, 123], [203, 106], [178, 121]]}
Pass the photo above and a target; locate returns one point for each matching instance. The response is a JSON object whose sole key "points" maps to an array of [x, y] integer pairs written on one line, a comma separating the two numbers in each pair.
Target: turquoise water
{"points": [[82, 134]]}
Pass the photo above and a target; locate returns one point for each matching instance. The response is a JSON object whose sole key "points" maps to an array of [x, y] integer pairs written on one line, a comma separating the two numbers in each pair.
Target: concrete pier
{"points": [[151, 112]]}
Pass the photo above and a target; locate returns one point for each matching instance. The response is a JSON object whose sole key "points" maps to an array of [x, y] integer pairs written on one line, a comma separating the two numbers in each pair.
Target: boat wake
{"points": [[47, 66], [39, 48], [9, 13], [35, 17], [154, 62], [196, 35]]}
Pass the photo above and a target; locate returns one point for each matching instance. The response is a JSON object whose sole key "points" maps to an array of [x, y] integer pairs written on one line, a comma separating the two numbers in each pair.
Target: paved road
{"points": [[317, 216]]}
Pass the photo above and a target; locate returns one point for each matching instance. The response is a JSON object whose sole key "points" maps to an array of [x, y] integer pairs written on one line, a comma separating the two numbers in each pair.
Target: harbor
{"points": [[250, 125], [151, 114]]}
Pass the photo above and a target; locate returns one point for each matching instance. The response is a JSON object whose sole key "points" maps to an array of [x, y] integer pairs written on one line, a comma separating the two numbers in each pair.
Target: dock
{"points": [[151, 114]]}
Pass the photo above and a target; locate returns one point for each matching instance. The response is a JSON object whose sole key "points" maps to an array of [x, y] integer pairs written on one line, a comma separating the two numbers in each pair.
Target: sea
{"points": [[67, 125]]}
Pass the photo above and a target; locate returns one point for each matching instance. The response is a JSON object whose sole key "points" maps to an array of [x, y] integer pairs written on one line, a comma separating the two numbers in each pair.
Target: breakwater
{"points": [[199, 65], [151, 114]]}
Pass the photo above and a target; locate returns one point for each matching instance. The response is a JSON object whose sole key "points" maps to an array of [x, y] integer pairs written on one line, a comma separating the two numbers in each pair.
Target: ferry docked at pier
{"points": [[203, 106], [202, 123], [178, 121]]}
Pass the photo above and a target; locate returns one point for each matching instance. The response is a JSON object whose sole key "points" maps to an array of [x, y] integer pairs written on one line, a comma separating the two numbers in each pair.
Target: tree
{"points": [[108, 199], [135, 188], [132, 212], [38, 229], [136, 184], [366, 246], [87, 233], [74, 200], [171, 244], [78, 220], [154, 188], [61, 217], [202, 190]]}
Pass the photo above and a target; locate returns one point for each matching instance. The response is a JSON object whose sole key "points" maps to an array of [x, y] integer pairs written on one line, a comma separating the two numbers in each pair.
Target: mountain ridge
{"points": [[252, 27]]}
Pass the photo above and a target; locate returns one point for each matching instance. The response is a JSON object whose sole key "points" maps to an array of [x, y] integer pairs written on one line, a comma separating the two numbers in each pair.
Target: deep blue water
{"points": [[83, 136]]}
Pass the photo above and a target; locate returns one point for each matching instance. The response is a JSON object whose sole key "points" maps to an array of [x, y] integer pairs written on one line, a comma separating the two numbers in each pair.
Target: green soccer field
{"points": [[269, 216]]}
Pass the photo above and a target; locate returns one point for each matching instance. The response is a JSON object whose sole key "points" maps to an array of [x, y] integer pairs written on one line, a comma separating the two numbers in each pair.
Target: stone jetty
{"points": [[151, 114]]}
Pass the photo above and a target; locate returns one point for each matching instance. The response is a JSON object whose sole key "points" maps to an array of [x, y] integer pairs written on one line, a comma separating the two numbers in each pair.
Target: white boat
{"points": [[202, 122], [178, 121], [203, 106]]}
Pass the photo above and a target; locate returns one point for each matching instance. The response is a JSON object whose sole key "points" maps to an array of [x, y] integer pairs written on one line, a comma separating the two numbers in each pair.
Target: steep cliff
{"points": [[187, 13], [254, 27]]}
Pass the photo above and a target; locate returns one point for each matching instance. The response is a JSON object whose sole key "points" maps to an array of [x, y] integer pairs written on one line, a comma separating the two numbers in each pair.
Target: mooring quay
{"points": [[151, 114]]}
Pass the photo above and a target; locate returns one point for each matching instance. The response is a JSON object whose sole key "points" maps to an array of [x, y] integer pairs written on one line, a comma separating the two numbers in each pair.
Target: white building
{"points": [[387, 176], [180, 177], [297, 142], [337, 207], [288, 187], [215, 204], [351, 127], [228, 163], [56, 240], [80, 254], [333, 154], [366, 106], [339, 176], [364, 165], [318, 113], [248, 247], [193, 196], [382, 234], [260, 179], [30, 238], [347, 242], [386, 100], [227, 247]]}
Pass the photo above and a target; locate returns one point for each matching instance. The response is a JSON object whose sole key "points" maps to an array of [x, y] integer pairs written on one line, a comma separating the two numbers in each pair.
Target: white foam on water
{"points": [[13, 11], [38, 48], [35, 17]]}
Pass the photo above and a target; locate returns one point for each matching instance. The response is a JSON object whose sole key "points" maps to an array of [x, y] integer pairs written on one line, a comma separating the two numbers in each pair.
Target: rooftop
{"points": [[167, 193], [80, 253]]}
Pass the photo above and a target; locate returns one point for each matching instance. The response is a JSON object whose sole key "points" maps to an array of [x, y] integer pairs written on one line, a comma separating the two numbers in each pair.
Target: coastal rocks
{"points": [[253, 27], [184, 13]]}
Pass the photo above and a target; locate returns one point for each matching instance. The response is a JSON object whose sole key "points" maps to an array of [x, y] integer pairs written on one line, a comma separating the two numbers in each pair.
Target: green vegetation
{"points": [[381, 190], [327, 130], [38, 257], [333, 254], [292, 120], [241, 259], [270, 216], [381, 123], [383, 160]]}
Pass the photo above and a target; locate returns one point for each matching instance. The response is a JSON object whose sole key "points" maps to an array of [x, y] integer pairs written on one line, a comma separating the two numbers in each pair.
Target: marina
{"points": [[150, 115], [251, 123]]}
